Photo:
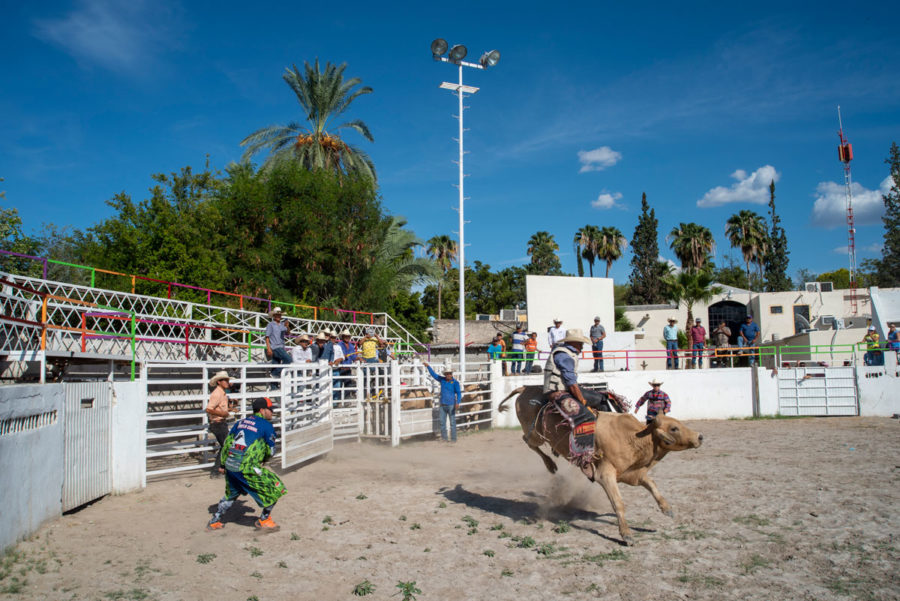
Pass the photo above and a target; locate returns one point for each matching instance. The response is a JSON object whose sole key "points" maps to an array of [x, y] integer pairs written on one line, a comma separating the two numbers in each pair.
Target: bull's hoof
{"points": [[551, 467], [669, 513], [628, 540]]}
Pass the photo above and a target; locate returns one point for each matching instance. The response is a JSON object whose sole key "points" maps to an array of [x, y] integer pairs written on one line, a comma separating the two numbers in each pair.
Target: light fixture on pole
{"points": [[488, 59]]}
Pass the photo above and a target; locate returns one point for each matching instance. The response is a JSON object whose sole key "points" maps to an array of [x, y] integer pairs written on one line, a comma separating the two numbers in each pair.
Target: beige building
{"points": [[779, 315]]}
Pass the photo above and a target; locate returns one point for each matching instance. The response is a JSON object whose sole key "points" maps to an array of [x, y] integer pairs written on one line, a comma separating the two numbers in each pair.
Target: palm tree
{"points": [[747, 230], [395, 260], [690, 287], [586, 247], [609, 246], [322, 95], [692, 244], [444, 250], [542, 250]]}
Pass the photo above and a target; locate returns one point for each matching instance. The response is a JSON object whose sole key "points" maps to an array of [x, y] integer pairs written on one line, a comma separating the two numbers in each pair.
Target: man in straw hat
{"points": [[451, 395], [657, 401], [302, 353], [218, 410], [561, 372], [250, 443], [670, 333], [276, 333]]}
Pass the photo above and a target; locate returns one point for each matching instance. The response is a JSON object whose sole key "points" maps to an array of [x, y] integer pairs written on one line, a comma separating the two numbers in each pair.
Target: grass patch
{"points": [[600, 558], [524, 542], [282, 564], [751, 520], [295, 536], [488, 553], [546, 549], [255, 551], [135, 594], [363, 588], [755, 562], [698, 579], [562, 527], [327, 520], [506, 572], [205, 557], [497, 527], [361, 497], [415, 526], [442, 505], [408, 590]]}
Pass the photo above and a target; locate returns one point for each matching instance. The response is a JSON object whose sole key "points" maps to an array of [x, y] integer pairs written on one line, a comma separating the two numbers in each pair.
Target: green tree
{"points": [[692, 244], [888, 268], [586, 244], [690, 287], [747, 230], [840, 278], [542, 250], [323, 96], [646, 273], [444, 250], [731, 274], [609, 247], [396, 268], [776, 259], [13, 239]]}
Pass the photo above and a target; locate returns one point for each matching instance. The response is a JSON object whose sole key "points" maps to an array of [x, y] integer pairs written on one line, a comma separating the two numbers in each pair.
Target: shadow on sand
{"points": [[531, 511]]}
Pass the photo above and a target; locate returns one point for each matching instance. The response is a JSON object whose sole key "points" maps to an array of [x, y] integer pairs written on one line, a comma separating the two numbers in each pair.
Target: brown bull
{"points": [[624, 448]]}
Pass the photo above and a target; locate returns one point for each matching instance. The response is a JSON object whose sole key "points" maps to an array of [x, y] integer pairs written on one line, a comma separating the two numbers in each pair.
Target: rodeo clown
{"points": [[250, 443]]}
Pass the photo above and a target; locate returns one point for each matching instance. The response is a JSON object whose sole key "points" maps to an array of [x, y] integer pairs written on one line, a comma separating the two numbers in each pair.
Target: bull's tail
{"points": [[515, 392]]}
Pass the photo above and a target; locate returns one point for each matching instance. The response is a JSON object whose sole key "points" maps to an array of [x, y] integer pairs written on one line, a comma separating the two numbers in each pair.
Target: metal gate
{"points": [[817, 391], [88, 420], [307, 427]]}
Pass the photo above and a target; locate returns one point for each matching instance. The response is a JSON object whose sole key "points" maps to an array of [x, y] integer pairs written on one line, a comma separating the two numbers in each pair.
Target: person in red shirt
{"points": [[698, 341]]}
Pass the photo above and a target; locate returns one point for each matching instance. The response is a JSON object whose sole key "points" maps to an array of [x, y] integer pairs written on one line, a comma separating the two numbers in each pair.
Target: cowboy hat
{"points": [[654, 382], [557, 320], [276, 311], [303, 338], [321, 336], [673, 319], [596, 318], [220, 375], [447, 369], [576, 335], [345, 333]]}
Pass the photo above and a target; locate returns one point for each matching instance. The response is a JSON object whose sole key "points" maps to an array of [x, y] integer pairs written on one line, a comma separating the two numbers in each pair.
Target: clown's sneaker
{"points": [[214, 524], [267, 525]]}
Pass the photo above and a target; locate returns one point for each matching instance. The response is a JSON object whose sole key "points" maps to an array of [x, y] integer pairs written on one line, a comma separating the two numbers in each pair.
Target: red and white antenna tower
{"points": [[845, 154]]}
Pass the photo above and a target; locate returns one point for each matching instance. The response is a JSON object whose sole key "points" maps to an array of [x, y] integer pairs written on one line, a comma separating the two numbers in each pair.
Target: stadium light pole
{"points": [[488, 59]]}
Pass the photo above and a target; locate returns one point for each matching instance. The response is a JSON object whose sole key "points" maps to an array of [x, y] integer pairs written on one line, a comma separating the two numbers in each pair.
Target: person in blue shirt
{"points": [[451, 395], [495, 349], [670, 333], [748, 336]]}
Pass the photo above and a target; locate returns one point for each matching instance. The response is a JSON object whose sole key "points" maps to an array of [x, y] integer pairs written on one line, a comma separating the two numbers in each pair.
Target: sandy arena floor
{"points": [[773, 509]]}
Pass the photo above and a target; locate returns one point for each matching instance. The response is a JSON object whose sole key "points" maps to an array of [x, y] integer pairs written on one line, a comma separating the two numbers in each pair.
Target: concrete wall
{"points": [[31, 461], [574, 300], [128, 437], [446, 331]]}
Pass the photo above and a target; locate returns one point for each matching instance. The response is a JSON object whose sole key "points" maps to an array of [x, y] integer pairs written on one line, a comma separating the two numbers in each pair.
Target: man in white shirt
{"points": [[556, 333], [302, 353]]}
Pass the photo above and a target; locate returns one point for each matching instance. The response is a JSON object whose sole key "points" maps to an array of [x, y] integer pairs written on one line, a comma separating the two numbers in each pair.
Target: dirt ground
{"points": [[769, 509]]}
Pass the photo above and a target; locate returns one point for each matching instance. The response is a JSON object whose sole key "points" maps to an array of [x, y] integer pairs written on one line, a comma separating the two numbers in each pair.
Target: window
{"points": [[775, 309]]}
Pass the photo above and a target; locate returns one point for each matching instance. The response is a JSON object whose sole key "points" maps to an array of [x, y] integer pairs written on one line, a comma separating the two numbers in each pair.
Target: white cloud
{"points": [[607, 200], [830, 208], [598, 159], [752, 188], [875, 247], [119, 36]]}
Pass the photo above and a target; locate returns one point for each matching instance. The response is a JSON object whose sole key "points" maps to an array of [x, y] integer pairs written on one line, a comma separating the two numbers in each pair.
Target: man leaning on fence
{"points": [[276, 334], [451, 395], [670, 333], [597, 334]]}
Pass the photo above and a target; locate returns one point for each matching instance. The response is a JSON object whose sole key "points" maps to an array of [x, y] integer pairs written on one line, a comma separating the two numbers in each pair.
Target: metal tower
{"points": [[845, 154]]}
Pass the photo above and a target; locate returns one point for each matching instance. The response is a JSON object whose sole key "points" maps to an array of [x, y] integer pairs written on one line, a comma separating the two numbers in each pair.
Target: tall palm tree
{"points": [[323, 95], [586, 247], [542, 250], [609, 246], [690, 287], [395, 262], [747, 230], [692, 244], [443, 250]]}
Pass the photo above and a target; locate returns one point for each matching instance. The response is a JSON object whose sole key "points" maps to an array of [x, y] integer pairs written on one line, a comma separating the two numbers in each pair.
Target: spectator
{"points": [[368, 346], [302, 353], [657, 401], [698, 341], [670, 333], [748, 336], [337, 359], [721, 338], [451, 395], [893, 340], [597, 333], [319, 352], [495, 350], [517, 354], [276, 333], [556, 333], [873, 354], [530, 351], [250, 443], [505, 364], [218, 410], [348, 354]]}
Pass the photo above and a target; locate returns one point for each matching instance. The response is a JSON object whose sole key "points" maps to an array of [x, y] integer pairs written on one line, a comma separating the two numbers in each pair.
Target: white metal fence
{"points": [[817, 391]]}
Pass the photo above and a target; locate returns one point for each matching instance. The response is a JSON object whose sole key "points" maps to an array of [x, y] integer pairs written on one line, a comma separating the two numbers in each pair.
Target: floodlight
{"points": [[489, 59], [457, 53], [438, 47]]}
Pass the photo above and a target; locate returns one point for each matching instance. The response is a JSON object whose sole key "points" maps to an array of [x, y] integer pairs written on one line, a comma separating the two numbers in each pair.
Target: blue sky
{"points": [[698, 105]]}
